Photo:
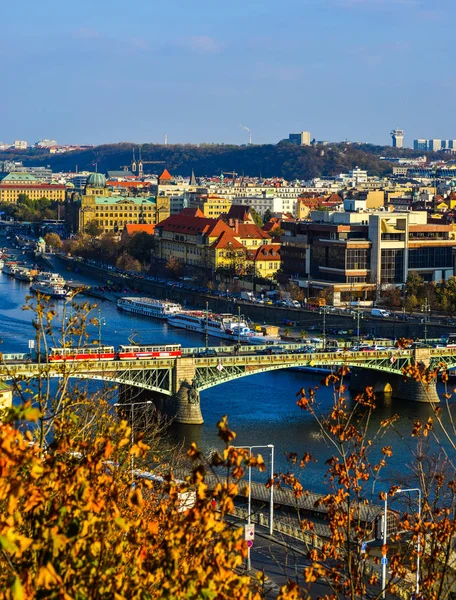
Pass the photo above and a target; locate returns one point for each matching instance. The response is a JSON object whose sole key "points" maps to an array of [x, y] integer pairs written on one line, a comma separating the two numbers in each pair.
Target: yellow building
{"points": [[17, 184], [214, 206], [112, 212], [197, 241]]}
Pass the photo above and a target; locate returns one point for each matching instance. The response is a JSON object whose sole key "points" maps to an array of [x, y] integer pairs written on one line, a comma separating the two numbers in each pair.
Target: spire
{"points": [[193, 179]]}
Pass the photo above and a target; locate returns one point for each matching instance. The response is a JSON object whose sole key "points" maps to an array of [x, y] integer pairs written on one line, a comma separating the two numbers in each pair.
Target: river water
{"points": [[261, 408]]}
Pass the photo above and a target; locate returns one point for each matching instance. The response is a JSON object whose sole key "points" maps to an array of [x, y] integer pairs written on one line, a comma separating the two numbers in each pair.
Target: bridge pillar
{"points": [[185, 402], [383, 383]]}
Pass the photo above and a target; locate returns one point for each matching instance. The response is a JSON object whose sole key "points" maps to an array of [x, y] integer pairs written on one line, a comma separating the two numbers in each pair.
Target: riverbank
{"points": [[286, 317]]}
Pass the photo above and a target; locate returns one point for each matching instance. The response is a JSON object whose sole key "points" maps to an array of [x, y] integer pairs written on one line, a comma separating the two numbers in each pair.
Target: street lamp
{"points": [[323, 312], [100, 321], [426, 309], [385, 534], [358, 316], [271, 506], [132, 436]]}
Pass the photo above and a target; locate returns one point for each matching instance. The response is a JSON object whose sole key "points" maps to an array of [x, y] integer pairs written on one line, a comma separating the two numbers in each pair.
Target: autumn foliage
{"points": [[71, 526]]}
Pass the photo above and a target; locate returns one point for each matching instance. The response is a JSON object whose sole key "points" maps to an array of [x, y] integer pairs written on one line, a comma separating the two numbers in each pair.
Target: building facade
{"points": [[14, 185], [352, 254], [213, 244], [112, 212]]}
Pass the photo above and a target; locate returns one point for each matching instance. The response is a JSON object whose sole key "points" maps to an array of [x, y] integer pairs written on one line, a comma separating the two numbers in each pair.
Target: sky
{"points": [[93, 71]]}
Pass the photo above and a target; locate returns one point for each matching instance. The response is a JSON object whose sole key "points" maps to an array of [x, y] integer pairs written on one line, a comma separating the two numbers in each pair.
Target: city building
{"points": [[15, 184], [212, 205], [46, 143], [20, 145], [397, 136], [352, 254], [214, 244], [300, 139], [269, 202], [112, 212], [433, 145]]}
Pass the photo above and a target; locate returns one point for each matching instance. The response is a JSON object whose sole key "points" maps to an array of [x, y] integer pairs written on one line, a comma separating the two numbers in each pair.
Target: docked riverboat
{"points": [[10, 268], [23, 274], [149, 307], [225, 326], [50, 278], [49, 289]]}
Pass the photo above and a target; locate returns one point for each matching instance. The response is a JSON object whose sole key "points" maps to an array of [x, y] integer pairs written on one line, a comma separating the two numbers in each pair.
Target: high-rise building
{"points": [[301, 139], [397, 136], [434, 145]]}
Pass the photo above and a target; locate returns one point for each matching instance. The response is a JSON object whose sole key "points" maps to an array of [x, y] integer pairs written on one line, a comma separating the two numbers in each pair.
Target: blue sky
{"points": [[97, 71]]}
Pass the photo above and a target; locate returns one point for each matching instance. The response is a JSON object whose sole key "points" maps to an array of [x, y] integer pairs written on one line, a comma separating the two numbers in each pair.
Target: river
{"points": [[261, 408]]}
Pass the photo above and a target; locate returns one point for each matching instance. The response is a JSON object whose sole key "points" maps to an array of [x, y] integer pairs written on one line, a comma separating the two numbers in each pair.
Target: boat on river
{"points": [[224, 326], [10, 268], [23, 274], [49, 289], [50, 278], [149, 307]]}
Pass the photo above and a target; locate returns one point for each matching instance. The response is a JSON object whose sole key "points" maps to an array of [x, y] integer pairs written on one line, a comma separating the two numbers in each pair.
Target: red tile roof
{"points": [[165, 176], [192, 212], [266, 252], [250, 230], [132, 228], [227, 240]]}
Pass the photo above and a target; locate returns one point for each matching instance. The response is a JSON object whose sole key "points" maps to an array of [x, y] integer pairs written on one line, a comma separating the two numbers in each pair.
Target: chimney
{"points": [[236, 226]]}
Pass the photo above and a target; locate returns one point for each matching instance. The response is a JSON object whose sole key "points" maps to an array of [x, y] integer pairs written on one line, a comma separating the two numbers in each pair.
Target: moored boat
{"points": [[148, 307], [225, 326], [48, 289]]}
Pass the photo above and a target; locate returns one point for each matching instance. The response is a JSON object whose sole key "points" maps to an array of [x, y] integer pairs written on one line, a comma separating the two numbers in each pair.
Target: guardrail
{"points": [[403, 589]]}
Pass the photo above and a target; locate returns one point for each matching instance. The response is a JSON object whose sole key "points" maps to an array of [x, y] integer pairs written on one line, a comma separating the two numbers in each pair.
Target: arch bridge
{"points": [[181, 379]]}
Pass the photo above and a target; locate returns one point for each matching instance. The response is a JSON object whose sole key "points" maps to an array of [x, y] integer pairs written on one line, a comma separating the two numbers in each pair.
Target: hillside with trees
{"points": [[268, 160]]}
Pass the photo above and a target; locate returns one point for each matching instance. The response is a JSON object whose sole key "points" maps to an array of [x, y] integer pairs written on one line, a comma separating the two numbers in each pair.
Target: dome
{"points": [[96, 180]]}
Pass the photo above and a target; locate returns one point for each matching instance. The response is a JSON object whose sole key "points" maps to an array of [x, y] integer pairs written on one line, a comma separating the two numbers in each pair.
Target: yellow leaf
{"points": [[17, 590]]}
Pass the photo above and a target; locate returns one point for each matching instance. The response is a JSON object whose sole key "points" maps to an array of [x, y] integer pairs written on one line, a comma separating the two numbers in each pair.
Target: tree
{"points": [[267, 215], [174, 266], [93, 228], [256, 217], [141, 245], [276, 232], [128, 263], [391, 297], [414, 285], [71, 525], [53, 241]]}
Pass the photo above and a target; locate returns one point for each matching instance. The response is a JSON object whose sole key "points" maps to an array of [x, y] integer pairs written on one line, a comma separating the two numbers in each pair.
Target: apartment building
{"points": [[14, 185], [112, 212], [352, 253], [213, 244]]}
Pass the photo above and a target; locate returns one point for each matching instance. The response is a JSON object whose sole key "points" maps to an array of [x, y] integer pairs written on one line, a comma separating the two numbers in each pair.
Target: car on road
{"points": [[207, 353]]}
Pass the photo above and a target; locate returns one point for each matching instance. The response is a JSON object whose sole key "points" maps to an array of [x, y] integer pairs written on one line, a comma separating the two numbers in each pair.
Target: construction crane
{"points": [[233, 175]]}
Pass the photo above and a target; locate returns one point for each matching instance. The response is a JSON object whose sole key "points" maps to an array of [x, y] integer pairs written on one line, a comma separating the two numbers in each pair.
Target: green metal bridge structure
{"points": [[180, 380]]}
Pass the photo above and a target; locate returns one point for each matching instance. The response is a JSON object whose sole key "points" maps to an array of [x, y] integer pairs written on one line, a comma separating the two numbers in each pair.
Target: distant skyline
{"points": [[105, 72]]}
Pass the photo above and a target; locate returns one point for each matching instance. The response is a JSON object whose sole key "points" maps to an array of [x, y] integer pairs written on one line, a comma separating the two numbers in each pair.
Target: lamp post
{"points": [[385, 535], [426, 309], [207, 326], [358, 316], [100, 321], [132, 435], [249, 501], [323, 312]]}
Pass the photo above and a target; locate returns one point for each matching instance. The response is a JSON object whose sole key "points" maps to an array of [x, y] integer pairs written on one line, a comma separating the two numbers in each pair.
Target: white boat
{"points": [[50, 278], [225, 326], [10, 268], [148, 307], [48, 289], [2, 263], [23, 275]]}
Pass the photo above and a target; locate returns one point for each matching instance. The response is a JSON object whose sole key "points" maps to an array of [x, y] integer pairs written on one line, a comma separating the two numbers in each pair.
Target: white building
{"points": [[20, 145], [272, 203]]}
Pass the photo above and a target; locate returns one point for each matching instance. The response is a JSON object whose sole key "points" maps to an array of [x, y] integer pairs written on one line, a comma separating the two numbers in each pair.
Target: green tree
{"points": [[267, 215], [53, 241], [128, 263], [141, 246], [414, 285], [256, 217], [276, 232], [93, 228]]}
